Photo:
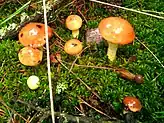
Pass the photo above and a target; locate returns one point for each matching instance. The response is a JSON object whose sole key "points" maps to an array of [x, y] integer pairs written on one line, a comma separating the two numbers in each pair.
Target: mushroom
{"points": [[29, 56], [115, 31], [33, 34], [132, 103], [73, 47], [74, 22], [33, 82]]}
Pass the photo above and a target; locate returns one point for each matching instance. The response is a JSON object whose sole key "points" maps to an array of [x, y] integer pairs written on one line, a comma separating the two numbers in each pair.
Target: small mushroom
{"points": [[29, 56], [132, 103], [74, 22], [33, 82], [115, 31], [33, 34], [73, 47]]}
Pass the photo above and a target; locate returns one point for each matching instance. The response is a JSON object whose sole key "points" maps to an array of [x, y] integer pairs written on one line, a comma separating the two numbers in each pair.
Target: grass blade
{"points": [[15, 13]]}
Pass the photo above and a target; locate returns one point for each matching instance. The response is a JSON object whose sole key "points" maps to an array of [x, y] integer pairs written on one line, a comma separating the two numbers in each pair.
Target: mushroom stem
{"points": [[112, 49], [75, 33]]}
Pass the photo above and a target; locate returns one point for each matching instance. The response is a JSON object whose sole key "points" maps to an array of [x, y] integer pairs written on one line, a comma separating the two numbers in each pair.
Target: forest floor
{"points": [[96, 93]]}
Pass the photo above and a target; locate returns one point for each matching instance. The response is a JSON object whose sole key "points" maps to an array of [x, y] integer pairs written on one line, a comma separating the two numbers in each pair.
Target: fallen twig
{"points": [[77, 58], [55, 33], [122, 72], [56, 43], [83, 16]]}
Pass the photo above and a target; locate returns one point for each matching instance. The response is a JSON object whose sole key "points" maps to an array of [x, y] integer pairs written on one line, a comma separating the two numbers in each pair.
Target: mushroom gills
{"points": [[112, 50]]}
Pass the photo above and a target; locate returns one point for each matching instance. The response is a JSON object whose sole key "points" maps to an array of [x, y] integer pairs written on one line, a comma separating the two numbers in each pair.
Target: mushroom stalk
{"points": [[112, 49], [75, 33]]}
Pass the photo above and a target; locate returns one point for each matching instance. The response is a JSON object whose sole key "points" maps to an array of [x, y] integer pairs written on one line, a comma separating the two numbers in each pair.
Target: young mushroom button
{"points": [[73, 47], [33, 35], [74, 22], [115, 31], [29, 56], [33, 82]]}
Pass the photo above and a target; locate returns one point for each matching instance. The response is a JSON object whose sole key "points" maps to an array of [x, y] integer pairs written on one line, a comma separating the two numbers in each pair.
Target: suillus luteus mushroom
{"points": [[73, 47], [33, 35], [29, 56], [116, 31], [74, 22]]}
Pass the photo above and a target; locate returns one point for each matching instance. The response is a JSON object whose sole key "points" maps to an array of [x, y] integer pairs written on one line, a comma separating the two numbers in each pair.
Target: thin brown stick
{"points": [[121, 71], [56, 43], [151, 53], [80, 111], [83, 101], [30, 120], [97, 67], [58, 36], [73, 63], [132, 10], [3, 103], [3, 77], [77, 58], [83, 16]]}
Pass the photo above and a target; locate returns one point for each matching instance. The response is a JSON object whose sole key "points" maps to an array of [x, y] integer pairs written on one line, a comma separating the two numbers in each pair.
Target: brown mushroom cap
{"points": [[33, 34], [73, 47], [73, 22], [116, 30], [132, 103], [30, 56]]}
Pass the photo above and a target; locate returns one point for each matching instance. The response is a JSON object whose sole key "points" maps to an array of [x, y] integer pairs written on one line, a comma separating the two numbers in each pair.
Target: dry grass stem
{"points": [[3, 103], [83, 101], [132, 10], [151, 53], [77, 58]]}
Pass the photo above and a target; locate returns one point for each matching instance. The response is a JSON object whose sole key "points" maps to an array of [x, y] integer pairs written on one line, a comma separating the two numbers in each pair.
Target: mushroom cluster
{"points": [[73, 46], [32, 37]]}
